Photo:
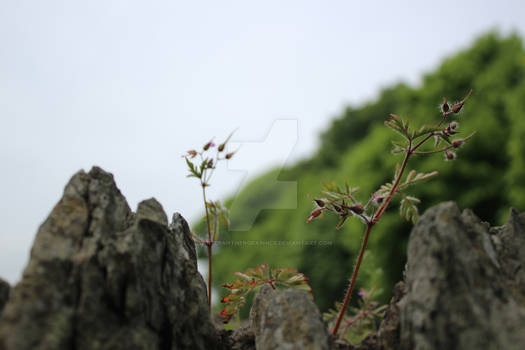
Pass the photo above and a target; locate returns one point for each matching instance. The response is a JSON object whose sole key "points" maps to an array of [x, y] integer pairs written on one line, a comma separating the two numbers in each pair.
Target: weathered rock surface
{"points": [[465, 283], [287, 319], [4, 293], [242, 338], [102, 277]]}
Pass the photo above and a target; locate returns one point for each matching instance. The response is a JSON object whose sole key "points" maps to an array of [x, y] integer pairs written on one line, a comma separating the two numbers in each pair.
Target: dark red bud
{"points": [[208, 145], [445, 107], [379, 199], [314, 214], [319, 202], [358, 209], [457, 107], [457, 143], [229, 155], [450, 155], [221, 147]]}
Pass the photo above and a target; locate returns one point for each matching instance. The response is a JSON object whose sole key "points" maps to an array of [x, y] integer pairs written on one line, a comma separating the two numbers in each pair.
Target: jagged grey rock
{"points": [[287, 319], [4, 293], [465, 283], [102, 277]]}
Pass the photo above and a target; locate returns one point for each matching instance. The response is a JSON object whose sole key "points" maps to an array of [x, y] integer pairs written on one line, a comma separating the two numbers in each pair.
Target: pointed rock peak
{"points": [[152, 210]]}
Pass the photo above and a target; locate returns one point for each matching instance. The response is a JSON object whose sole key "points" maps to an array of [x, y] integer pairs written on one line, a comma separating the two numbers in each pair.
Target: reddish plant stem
{"points": [[369, 226], [209, 273], [209, 243], [383, 208], [354, 277]]}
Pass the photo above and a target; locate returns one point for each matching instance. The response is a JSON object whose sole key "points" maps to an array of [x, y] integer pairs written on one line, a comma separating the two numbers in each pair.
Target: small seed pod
{"points": [[457, 107], [192, 153], [445, 107], [378, 200], [358, 209], [319, 202], [457, 143], [315, 213], [337, 208], [208, 145], [449, 155]]}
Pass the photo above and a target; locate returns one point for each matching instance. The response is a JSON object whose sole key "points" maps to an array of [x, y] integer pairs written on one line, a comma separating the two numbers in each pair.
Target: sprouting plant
{"points": [[359, 321], [201, 165], [251, 280], [343, 203]]}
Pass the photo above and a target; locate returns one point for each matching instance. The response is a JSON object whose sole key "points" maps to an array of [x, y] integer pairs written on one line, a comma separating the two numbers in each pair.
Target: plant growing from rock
{"points": [[201, 165], [359, 321], [342, 201], [252, 280]]}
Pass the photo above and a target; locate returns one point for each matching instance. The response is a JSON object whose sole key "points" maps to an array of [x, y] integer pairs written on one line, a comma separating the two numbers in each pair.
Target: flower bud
{"points": [[192, 153], [457, 143], [319, 202], [221, 147], [314, 214], [208, 145], [210, 164], [337, 208], [358, 209], [453, 125], [378, 200], [457, 107], [445, 107], [229, 155], [449, 155]]}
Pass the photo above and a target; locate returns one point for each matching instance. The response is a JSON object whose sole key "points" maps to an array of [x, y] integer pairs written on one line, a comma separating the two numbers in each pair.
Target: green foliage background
{"points": [[488, 176]]}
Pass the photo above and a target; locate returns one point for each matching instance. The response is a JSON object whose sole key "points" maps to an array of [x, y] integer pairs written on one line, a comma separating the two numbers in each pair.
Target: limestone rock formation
{"points": [[103, 277], [4, 293], [465, 283], [287, 319]]}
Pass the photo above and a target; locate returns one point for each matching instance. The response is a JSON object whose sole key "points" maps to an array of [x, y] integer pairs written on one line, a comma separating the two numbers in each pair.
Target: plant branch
{"points": [[390, 195], [209, 243], [354, 277]]}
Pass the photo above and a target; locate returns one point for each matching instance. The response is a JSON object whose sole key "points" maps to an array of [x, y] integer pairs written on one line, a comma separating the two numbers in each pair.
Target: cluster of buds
{"points": [[451, 129], [338, 206], [455, 108]]}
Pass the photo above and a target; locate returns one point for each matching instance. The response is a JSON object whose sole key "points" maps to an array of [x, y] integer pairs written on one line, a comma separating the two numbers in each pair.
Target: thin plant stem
{"points": [[369, 226], [209, 273], [354, 277], [209, 243], [383, 208]]}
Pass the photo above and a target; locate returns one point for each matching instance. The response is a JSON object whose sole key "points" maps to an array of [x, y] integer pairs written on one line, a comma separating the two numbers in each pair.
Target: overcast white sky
{"points": [[131, 85]]}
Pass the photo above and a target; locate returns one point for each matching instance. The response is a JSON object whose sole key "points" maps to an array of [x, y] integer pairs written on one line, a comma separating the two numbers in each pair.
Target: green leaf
{"points": [[427, 129], [399, 125], [408, 208], [252, 279], [413, 178], [341, 222], [399, 147]]}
